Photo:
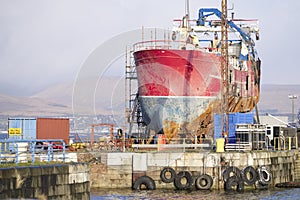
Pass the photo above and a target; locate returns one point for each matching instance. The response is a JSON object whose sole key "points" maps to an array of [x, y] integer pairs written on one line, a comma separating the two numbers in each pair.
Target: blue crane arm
{"points": [[214, 11]]}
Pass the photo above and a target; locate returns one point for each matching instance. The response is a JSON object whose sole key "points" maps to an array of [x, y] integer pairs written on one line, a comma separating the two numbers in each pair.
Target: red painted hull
{"points": [[180, 89], [177, 73]]}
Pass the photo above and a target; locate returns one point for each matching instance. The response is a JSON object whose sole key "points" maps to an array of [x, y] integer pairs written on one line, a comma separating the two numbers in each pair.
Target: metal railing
{"points": [[181, 144], [154, 144], [170, 44], [17, 151], [279, 143], [234, 144], [285, 143]]}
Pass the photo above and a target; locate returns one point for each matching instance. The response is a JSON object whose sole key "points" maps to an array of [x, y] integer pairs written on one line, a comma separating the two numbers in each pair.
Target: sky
{"points": [[46, 42]]}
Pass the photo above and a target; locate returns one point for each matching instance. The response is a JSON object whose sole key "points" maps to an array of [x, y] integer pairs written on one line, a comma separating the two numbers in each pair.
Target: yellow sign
{"points": [[14, 131]]}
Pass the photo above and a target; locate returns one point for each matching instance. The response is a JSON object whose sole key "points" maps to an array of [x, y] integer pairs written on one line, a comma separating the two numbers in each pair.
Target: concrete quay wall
{"points": [[59, 181], [120, 170]]}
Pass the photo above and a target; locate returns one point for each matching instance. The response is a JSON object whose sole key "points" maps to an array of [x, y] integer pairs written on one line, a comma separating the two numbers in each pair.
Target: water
{"points": [[124, 194]]}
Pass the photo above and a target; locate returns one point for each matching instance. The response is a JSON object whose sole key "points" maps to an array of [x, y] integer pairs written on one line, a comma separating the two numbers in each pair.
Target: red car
{"points": [[44, 145]]}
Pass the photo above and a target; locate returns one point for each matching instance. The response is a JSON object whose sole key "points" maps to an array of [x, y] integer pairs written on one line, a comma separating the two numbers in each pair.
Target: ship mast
{"points": [[187, 8], [224, 69], [186, 18]]}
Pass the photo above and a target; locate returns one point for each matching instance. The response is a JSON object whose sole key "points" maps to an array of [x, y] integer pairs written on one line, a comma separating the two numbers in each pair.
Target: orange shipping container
{"points": [[53, 128]]}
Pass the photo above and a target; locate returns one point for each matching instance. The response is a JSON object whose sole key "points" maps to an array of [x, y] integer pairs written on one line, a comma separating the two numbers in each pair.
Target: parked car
{"points": [[44, 145]]}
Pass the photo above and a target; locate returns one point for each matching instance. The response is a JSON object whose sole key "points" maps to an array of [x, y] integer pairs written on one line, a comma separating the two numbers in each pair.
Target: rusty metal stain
{"points": [[170, 129], [203, 124]]}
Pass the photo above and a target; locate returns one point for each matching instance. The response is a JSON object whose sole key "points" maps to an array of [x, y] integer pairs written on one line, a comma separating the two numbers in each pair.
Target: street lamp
{"points": [[293, 97]]}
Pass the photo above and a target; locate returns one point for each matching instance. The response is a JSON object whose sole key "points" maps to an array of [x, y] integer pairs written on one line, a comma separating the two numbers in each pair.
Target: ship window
{"points": [[247, 82]]}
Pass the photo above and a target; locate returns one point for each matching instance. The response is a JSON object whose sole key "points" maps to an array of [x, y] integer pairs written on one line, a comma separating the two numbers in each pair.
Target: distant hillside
{"points": [[109, 98], [104, 98], [61, 93], [31, 106]]}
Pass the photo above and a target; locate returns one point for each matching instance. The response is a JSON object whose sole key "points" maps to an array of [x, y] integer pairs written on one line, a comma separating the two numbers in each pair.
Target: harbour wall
{"points": [[56, 181], [121, 170]]}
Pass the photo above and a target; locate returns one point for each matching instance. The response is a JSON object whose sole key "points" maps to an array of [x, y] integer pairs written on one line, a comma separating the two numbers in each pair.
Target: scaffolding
{"points": [[134, 119]]}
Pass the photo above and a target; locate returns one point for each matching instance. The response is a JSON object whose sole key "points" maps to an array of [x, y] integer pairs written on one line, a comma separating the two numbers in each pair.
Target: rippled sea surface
{"points": [[276, 193]]}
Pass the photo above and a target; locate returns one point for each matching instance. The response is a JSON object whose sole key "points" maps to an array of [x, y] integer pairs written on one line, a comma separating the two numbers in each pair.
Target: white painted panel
{"points": [[140, 162], [119, 159]]}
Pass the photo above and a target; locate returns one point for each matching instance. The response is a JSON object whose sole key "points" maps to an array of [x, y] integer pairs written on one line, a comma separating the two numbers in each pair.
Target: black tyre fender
{"points": [[227, 173], [253, 175], [189, 180], [234, 182], [264, 176], [240, 187], [204, 182], [163, 176], [145, 181], [261, 186]]}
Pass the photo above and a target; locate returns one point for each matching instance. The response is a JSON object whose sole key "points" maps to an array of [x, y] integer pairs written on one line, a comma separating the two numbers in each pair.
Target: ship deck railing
{"points": [[155, 44], [216, 24], [171, 45], [26, 151]]}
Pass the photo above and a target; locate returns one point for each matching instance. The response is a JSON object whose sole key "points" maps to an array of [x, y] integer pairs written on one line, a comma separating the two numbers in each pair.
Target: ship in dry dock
{"points": [[179, 80]]}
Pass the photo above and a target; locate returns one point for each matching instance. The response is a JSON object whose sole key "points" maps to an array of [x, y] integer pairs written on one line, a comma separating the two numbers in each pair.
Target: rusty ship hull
{"points": [[180, 88]]}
